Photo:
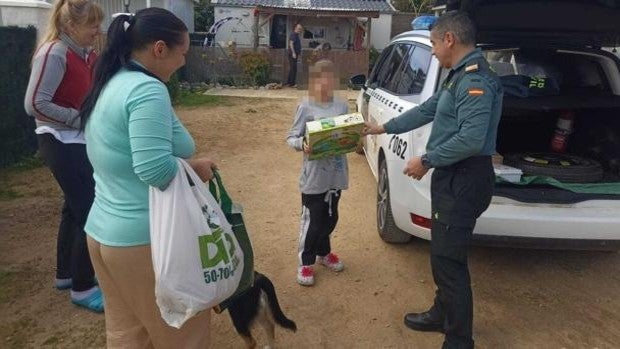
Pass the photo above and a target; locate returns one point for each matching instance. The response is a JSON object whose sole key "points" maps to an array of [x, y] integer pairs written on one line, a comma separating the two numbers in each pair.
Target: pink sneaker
{"points": [[305, 275], [331, 261]]}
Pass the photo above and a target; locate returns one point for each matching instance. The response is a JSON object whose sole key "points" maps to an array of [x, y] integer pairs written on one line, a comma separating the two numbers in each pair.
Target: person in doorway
{"points": [[323, 180], [293, 52], [60, 78], [133, 140], [465, 113]]}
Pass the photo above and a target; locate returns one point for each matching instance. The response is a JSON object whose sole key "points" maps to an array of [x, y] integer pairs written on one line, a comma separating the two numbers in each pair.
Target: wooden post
{"points": [[368, 31], [256, 28]]}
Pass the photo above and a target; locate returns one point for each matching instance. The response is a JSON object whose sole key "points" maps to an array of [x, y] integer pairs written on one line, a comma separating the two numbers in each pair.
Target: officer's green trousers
{"points": [[460, 193]]}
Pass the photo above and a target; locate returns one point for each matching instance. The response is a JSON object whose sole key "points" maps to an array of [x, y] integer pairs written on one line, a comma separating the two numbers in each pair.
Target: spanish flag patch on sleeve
{"points": [[475, 91]]}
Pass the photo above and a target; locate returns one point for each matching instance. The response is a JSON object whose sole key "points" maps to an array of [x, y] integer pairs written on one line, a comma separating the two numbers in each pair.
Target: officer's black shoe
{"points": [[427, 321]]}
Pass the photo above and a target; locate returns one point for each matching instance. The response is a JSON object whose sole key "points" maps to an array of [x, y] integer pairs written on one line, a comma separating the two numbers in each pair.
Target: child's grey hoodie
{"points": [[318, 176]]}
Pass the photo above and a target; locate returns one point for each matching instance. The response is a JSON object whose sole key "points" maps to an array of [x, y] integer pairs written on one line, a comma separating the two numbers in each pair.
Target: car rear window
{"points": [[547, 72]]}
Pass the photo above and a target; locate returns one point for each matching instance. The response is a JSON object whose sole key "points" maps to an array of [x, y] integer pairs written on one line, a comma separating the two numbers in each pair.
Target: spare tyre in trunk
{"points": [[563, 167]]}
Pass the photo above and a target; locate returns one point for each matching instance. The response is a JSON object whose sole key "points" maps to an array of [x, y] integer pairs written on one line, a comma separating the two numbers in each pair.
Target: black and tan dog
{"points": [[258, 305]]}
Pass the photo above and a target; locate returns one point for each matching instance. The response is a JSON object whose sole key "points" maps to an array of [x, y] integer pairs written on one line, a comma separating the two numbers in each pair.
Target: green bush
{"points": [[373, 56], [229, 81], [256, 66], [17, 137], [174, 88]]}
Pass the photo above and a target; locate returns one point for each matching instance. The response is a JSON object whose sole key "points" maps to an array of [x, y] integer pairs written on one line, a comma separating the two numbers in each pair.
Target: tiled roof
{"points": [[325, 5]]}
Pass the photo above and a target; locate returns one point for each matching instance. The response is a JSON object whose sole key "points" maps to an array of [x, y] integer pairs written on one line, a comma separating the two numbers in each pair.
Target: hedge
{"points": [[17, 138]]}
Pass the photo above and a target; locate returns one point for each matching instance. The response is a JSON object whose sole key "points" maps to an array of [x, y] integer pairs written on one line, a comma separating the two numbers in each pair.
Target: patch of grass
{"points": [[26, 164], [8, 194], [16, 334], [6, 278], [53, 340], [193, 99]]}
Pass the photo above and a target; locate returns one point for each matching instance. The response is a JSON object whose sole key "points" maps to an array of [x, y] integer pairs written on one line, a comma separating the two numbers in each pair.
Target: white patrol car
{"points": [[549, 57]]}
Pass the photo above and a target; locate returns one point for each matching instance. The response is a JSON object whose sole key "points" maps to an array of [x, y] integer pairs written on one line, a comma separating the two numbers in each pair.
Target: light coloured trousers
{"points": [[132, 318]]}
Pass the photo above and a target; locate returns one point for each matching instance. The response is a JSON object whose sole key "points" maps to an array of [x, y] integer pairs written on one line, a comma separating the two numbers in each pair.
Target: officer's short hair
{"points": [[459, 24]]}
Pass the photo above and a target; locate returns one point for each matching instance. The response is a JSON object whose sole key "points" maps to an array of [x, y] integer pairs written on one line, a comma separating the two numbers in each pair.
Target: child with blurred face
{"points": [[322, 181], [322, 82]]}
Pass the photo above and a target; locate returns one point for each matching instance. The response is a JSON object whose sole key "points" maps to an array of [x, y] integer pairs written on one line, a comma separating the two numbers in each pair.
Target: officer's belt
{"points": [[470, 162]]}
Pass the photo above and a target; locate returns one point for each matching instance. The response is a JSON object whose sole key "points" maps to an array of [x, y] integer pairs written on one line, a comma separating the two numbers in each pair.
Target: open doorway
{"points": [[278, 32]]}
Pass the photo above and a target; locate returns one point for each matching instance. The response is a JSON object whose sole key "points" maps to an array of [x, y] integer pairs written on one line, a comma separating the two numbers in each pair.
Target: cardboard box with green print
{"points": [[334, 135]]}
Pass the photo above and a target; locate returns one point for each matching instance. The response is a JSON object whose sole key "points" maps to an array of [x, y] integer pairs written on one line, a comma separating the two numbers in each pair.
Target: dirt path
{"points": [[523, 298]]}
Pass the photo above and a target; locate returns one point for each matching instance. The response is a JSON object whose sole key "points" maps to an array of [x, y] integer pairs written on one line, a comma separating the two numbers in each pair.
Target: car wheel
{"points": [[563, 167], [388, 231]]}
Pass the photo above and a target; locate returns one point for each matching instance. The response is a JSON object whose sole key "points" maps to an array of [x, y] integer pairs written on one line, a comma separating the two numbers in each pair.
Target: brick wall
{"points": [[401, 22], [210, 63], [348, 63], [207, 63]]}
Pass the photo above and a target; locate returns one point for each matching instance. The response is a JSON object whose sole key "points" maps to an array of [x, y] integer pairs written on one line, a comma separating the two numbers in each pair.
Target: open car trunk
{"points": [[527, 133], [581, 23], [540, 86]]}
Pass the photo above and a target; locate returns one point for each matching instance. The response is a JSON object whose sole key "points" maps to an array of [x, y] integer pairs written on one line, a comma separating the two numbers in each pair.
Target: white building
{"points": [[332, 21], [22, 13], [183, 9]]}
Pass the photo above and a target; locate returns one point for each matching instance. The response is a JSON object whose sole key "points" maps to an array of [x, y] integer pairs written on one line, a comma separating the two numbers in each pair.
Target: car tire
{"points": [[563, 167], [388, 231]]}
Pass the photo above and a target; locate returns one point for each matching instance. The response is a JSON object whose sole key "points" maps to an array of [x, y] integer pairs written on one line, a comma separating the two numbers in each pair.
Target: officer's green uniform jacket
{"points": [[466, 112]]}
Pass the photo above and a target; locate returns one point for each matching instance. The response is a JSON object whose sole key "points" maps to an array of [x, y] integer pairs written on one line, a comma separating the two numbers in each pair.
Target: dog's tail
{"points": [[265, 284]]}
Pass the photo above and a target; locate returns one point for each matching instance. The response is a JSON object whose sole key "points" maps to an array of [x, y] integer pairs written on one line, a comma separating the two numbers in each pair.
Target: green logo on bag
{"points": [[210, 260], [215, 240], [213, 251]]}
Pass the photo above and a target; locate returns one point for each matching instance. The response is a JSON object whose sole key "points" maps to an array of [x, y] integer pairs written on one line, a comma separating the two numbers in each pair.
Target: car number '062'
{"points": [[398, 146]]}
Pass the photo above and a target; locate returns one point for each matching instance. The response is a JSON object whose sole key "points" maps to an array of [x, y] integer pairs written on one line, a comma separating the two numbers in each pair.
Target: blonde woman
{"points": [[61, 76]]}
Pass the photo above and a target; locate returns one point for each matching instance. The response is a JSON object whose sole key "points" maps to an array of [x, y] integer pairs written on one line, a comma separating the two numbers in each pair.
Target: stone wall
{"points": [[210, 63]]}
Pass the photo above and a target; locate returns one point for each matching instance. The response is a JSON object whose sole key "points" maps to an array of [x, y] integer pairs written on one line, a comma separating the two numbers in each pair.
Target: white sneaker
{"points": [[305, 275], [331, 261]]}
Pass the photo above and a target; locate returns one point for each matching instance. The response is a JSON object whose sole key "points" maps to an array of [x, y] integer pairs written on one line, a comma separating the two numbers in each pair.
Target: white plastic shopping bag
{"points": [[196, 258]]}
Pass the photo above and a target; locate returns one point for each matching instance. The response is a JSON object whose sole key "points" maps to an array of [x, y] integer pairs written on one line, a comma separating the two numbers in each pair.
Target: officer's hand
{"points": [[415, 169], [372, 128]]}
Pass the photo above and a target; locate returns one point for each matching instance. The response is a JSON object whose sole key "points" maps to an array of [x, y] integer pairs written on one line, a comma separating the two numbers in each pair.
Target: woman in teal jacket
{"points": [[133, 139]]}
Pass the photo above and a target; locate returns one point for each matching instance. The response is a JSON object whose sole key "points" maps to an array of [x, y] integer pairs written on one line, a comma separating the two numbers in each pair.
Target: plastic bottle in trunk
{"points": [[563, 129]]}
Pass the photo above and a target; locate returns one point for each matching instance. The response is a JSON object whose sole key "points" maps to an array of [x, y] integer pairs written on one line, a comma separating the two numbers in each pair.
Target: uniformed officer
{"points": [[465, 112]]}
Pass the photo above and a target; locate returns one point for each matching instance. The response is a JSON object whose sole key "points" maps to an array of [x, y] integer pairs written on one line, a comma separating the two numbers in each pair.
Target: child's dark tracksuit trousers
{"points": [[319, 215]]}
